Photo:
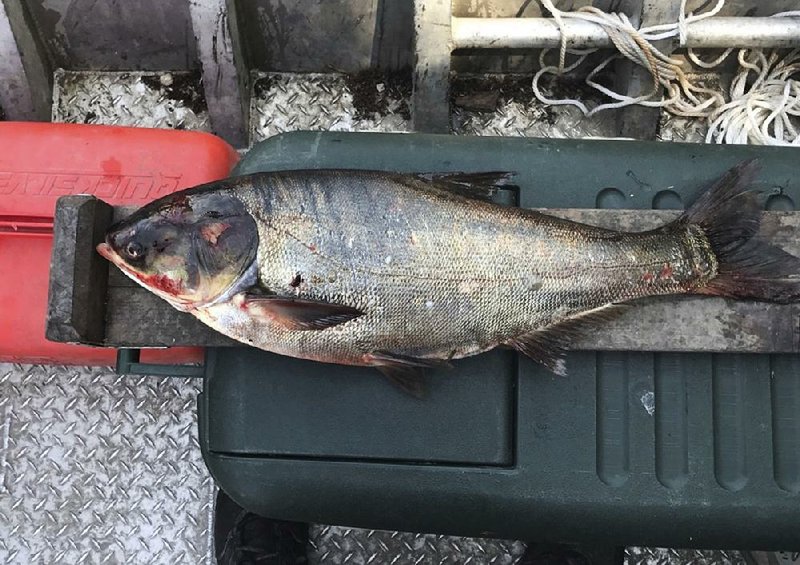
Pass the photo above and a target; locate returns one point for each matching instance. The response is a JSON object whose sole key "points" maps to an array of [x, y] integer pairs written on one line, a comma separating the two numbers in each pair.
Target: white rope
{"points": [[760, 110], [763, 100]]}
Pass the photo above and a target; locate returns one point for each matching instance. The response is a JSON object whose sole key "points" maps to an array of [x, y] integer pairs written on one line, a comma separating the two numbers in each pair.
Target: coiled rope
{"points": [[764, 98]]}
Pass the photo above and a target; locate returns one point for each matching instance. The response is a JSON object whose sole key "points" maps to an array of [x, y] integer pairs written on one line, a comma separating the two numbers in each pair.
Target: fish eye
{"points": [[133, 249]]}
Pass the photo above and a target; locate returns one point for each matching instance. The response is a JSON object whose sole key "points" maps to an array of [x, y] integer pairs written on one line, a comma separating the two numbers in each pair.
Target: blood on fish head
{"points": [[188, 248]]}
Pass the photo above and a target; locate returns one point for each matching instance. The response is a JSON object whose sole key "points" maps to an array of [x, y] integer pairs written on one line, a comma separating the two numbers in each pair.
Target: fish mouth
{"points": [[106, 252]]}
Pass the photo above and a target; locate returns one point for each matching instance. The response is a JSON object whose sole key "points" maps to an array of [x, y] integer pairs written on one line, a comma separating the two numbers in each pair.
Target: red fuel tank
{"points": [[39, 162]]}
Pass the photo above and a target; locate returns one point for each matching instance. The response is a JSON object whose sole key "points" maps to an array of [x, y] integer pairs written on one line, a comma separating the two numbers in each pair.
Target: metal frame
{"points": [[431, 79], [26, 79], [641, 122], [225, 77], [538, 33], [438, 34]]}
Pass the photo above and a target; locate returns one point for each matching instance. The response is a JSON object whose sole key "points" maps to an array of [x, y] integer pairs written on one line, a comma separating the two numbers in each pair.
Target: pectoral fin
{"points": [[299, 313]]}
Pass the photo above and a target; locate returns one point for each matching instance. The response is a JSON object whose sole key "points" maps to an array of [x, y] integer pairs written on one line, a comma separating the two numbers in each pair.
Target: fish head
{"points": [[189, 248]]}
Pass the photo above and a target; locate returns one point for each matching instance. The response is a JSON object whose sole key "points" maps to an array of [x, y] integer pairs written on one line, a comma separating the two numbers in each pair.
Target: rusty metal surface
{"points": [[98, 468]]}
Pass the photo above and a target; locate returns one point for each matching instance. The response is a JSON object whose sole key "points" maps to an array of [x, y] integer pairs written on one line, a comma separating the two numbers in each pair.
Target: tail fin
{"points": [[730, 215]]}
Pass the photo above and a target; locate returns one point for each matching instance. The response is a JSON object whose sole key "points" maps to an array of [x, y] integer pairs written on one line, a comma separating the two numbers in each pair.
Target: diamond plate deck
{"points": [[153, 100], [284, 102], [662, 556], [97, 468], [101, 469], [333, 544], [517, 112]]}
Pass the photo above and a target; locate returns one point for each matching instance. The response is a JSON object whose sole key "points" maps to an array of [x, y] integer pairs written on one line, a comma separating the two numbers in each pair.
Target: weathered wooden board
{"points": [[134, 317], [78, 275]]}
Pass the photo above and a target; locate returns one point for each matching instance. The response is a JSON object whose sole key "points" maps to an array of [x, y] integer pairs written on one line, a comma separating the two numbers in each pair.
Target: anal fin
{"points": [[410, 380], [549, 345], [407, 373]]}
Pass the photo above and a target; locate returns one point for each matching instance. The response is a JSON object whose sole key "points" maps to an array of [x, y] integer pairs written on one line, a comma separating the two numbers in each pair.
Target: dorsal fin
{"points": [[479, 186], [549, 345]]}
